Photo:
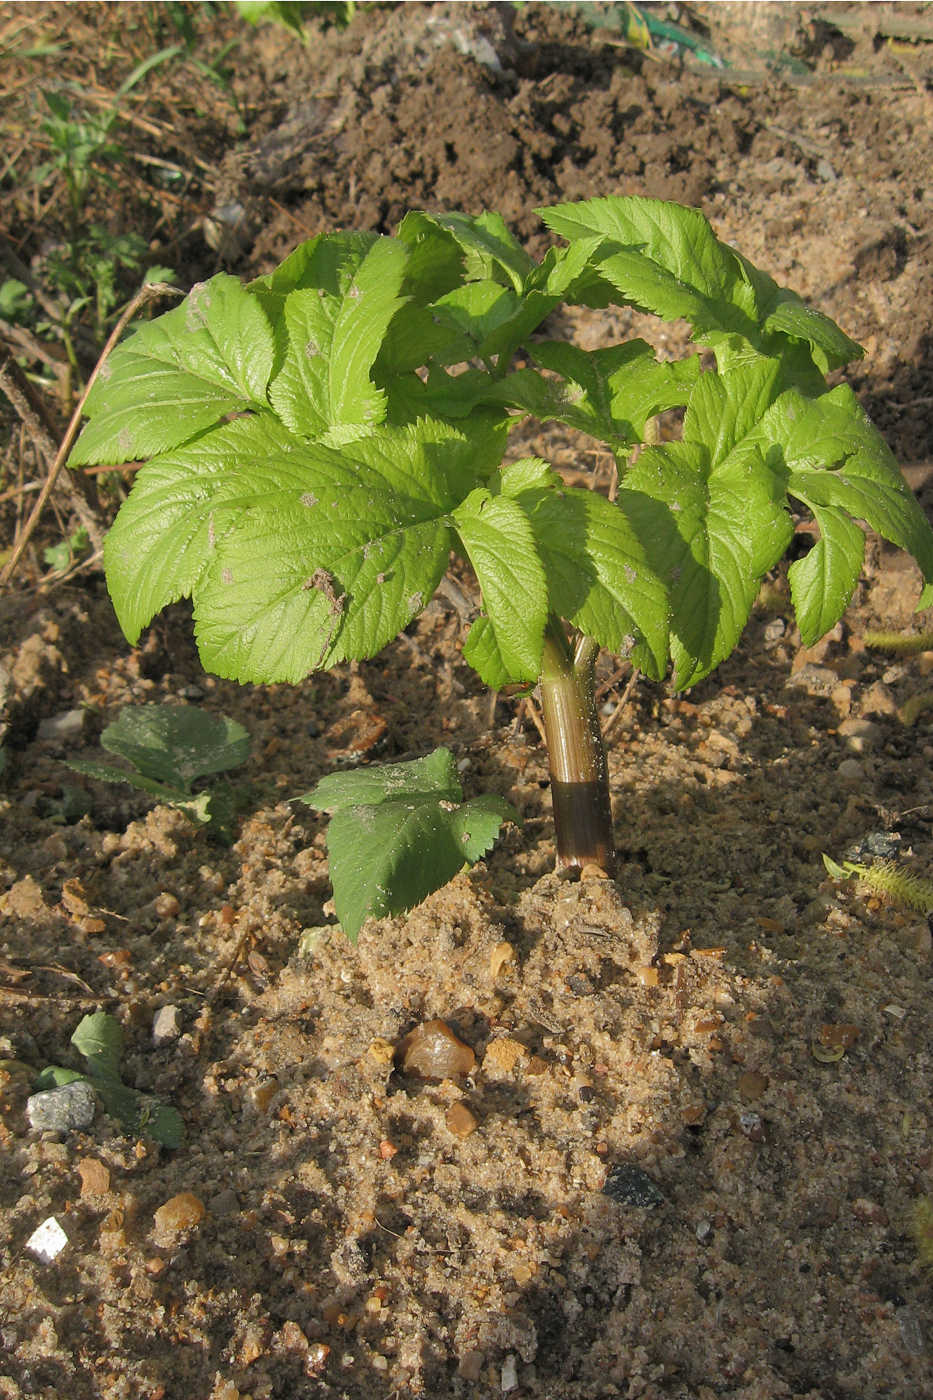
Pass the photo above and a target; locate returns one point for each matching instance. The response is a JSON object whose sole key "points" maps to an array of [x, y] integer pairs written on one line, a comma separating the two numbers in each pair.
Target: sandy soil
{"points": [[685, 1161]]}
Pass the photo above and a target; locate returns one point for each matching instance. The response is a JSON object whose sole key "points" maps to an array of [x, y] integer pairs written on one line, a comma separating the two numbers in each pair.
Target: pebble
{"points": [[382, 1051], [67, 725], [815, 680], [751, 1126], [24, 899], [884, 845], [47, 1241], [851, 771], [433, 1051], [592, 871], [860, 734], [166, 905], [177, 1216], [460, 1121], [166, 1025], [509, 1380], [628, 1185], [470, 1366], [752, 1084], [878, 700], [63, 1109], [912, 1330], [501, 958]]}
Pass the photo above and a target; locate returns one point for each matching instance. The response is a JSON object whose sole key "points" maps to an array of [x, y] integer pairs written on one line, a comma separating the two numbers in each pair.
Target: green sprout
{"points": [[99, 1039], [888, 878]]}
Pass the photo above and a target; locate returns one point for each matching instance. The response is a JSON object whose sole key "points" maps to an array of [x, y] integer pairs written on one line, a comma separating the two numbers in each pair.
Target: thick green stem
{"points": [[576, 756]]}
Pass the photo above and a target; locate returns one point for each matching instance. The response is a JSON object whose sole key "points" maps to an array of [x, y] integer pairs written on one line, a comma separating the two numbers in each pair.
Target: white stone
{"points": [[166, 1025], [48, 1241], [509, 1374]]}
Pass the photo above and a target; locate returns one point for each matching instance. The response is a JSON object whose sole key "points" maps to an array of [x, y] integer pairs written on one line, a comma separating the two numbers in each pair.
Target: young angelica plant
{"points": [[320, 441]]}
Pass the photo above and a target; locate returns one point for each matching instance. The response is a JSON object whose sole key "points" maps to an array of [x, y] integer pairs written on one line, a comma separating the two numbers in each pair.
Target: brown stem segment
{"points": [[576, 756]]}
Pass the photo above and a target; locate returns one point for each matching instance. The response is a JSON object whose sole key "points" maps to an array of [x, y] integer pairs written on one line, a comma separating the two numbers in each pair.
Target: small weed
{"points": [[292, 13], [170, 747], [899, 643], [60, 557], [887, 878], [99, 1040], [398, 831], [921, 1227]]}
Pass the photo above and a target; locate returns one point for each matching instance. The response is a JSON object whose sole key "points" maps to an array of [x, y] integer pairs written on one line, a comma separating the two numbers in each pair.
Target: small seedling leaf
{"points": [[99, 1038], [56, 1076], [175, 744]]}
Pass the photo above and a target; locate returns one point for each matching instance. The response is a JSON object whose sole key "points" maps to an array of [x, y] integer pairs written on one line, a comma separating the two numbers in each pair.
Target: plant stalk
{"points": [[576, 755]]}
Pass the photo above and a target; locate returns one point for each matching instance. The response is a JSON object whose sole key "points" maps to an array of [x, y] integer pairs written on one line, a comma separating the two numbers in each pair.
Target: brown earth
{"points": [[752, 1037]]}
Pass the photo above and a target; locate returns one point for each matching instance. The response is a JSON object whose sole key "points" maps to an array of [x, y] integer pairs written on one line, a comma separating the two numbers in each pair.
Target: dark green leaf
{"points": [[400, 832], [175, 744]]}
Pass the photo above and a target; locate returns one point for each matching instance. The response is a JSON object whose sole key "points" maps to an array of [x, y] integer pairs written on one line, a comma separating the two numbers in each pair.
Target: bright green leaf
{"points": [[665, 258], [823, 581], [831, 347], [500, 545], [491, 249], [598, 570], [296, 555], [179, 374], [714, 514], [324, 380], [328, 262]]}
